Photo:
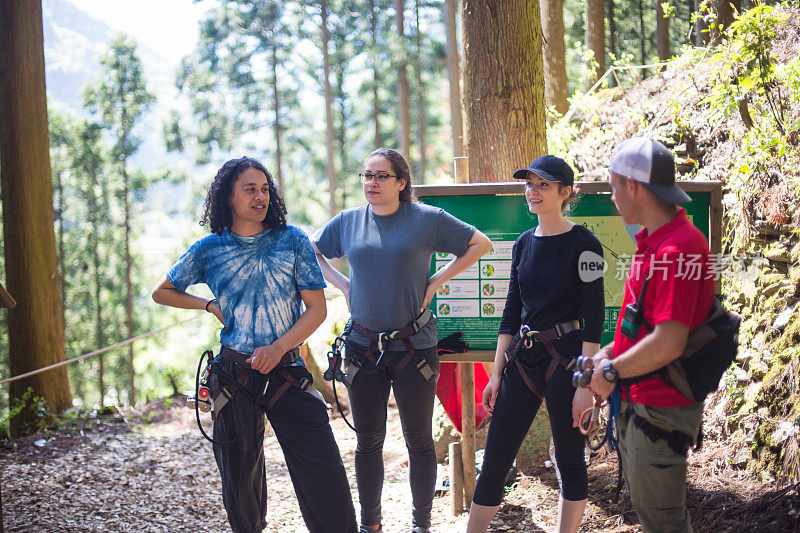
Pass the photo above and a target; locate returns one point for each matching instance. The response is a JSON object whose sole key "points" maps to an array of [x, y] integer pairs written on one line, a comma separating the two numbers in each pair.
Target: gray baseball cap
{"points": [[651, 163]]}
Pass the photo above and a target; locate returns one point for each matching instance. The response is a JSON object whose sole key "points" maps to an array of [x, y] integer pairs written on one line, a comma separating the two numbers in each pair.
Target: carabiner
{"points": [[527, 343]]}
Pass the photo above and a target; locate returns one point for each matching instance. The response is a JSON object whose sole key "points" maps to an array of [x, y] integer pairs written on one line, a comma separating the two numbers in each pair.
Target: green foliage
{"points": [[762, 186], [632, 40], [120, 96], [668, 9], [254, 56], [35, 405], [88, 240], [89, 181], [747, 64], [748, 81], [175, 377]]}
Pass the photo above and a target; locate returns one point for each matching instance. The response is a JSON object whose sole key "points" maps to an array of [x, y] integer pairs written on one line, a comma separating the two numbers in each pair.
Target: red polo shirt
{"points": [[680, 288]]}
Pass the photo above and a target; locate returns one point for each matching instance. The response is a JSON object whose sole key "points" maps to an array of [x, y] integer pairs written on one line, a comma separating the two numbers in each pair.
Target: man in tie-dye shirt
{"points": [[268, 296]]}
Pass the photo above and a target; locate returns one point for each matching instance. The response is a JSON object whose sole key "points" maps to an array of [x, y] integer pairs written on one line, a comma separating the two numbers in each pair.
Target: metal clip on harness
{"points": [[528, 334], [334, 372], [202, 399]]}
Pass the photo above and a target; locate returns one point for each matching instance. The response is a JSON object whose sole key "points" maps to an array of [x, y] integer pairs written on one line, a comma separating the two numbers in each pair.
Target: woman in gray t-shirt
{"points": [[389, 243]]}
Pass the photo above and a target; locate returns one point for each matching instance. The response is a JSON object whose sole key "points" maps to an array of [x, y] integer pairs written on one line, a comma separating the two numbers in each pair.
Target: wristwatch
{"points": [[610, 373]]}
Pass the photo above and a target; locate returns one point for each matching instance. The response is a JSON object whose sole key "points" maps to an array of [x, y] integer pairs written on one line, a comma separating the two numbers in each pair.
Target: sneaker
{"points": [[420, 530], [365, 529]]}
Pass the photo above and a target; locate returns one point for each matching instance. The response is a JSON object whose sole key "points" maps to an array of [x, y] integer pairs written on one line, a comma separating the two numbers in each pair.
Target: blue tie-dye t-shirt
{"points": [[257, 280]]}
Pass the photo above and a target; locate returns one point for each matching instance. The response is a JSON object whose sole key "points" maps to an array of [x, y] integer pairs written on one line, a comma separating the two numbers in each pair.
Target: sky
{"points": [[173, 32]]}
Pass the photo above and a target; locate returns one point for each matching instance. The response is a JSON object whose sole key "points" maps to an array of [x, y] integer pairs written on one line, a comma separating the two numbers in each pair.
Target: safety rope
{"points": [[96, 352]]}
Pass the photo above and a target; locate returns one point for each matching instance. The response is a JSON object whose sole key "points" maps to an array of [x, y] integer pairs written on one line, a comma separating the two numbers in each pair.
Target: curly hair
{"points": [[218, 213], [400, 168]]}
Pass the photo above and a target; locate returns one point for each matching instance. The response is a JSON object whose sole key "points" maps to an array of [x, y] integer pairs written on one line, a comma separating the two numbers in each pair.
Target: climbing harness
{"points": [[214, 386], [527, 338], [380, 342], [334, 372]]}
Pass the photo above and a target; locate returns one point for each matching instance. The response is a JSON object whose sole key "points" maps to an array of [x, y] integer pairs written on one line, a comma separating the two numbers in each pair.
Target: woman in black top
{"points": [[549, 292]]}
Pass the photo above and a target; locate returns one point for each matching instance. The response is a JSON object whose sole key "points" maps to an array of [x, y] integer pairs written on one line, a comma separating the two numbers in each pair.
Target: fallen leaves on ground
{"points": [[158, 474]]}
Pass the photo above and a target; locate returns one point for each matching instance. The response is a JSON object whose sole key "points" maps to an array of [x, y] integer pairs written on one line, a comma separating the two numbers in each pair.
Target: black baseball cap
{"points": [[550, 168], [650, 163]]}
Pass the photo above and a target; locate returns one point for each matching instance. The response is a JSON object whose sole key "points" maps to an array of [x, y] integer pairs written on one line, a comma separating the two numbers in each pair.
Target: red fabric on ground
{"points": [[448, 390]]}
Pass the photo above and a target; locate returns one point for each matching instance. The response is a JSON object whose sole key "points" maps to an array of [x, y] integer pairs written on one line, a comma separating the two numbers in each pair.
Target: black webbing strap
{"points": [[378, 338], [527, 380], [526, 338], [547, 337], [241, 359], [678, 441], [288, 380]]}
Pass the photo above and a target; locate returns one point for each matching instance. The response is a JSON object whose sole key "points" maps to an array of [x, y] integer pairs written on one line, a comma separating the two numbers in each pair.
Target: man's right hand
{"points": [[215, 309], [606, 352]]}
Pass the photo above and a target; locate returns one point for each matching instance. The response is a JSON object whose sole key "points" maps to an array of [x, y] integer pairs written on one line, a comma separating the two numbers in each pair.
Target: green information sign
{"points": [[473, 301]]}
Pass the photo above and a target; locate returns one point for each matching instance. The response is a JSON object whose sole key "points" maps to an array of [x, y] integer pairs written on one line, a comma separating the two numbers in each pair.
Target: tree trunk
{"points": [[642, 37], [326, 85], [376, 104], [454, 76], [662, 33], [126, 206], [596, 38], [726, 13], [402, 84], [555, 64], [700, 27], [420, 102], [612, 38], [341, 133], [35, 329], [276, 126], [503, 87], [97, 278], [61, 253]]}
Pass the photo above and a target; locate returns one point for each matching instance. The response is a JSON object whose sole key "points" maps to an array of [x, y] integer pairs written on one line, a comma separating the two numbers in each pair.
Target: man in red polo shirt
{"points": [[672, 280]]}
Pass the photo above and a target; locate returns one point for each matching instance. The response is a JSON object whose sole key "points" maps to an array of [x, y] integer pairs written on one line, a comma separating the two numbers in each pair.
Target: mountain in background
{"points": [[73, 44]]}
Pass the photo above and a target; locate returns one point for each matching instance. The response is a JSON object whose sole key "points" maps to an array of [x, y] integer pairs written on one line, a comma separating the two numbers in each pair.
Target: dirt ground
{"points": [[152, 471]]}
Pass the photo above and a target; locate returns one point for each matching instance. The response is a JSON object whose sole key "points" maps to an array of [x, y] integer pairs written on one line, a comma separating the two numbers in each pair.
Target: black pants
{"points": [[369, 395], [514, 411], [301, 426]]}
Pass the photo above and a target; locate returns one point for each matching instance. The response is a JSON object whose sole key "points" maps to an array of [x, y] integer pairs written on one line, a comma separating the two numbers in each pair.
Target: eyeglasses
{"points": [[381, 177]]}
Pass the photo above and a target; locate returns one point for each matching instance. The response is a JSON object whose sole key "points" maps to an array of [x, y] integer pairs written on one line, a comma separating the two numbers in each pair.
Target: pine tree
{"points": [[88, 165], [119, 99]]}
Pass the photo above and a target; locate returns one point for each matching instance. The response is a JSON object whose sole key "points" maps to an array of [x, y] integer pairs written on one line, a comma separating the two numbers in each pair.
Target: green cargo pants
{"points": [[654, 473]]}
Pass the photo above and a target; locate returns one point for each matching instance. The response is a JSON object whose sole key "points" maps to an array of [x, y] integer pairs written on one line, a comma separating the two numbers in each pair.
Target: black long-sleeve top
{"points": [[546, 288]]}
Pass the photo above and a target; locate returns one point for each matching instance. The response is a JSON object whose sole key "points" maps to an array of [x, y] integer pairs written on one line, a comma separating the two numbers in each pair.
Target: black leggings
{"points": [[514, 411], [369, 395]]}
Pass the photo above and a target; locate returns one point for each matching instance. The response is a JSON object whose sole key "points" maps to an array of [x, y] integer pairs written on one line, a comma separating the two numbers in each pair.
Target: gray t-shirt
{"points": [[390, 259]]}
